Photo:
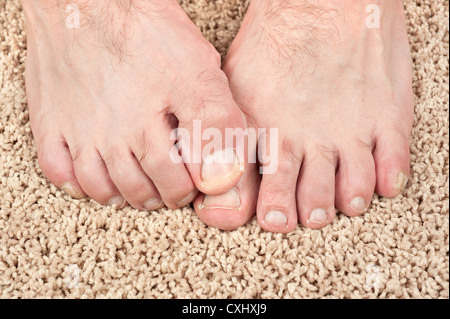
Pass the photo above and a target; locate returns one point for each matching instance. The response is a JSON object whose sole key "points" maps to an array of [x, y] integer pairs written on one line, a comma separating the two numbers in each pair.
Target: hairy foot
{"points": [[105, 96], [340, 94]]}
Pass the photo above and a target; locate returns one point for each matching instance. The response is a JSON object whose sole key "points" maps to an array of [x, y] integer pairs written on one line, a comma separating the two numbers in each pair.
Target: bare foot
{"points": [[340, 94], [105, 97]]}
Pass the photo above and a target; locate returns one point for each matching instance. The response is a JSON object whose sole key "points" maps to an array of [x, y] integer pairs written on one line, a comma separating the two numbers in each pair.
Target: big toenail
{"points": [[276, 218], [221, 166], [153, 204], [358, 205], [400, 183], [72, 191], [188, 199], [119, 201], [229, 200], [318, 216]]}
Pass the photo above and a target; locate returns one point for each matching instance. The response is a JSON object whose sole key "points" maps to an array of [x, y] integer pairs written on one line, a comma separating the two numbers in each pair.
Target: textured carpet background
{"points": [[53, 246]]}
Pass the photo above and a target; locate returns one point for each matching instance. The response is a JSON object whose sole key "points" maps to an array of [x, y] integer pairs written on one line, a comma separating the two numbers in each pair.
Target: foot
{"points": [[341, 97], [105, 96]]}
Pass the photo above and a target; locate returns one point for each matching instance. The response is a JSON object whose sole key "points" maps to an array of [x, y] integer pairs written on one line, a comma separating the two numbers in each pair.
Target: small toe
{"points": [[392, 162], [355, 181], [130, 179], [93, 176], [277, 204], [316, 190], [56, 163], [170, 177]]}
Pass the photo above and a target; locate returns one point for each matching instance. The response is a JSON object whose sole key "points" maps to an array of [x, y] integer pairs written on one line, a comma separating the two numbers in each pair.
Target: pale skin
{"points": [[339, 93]]}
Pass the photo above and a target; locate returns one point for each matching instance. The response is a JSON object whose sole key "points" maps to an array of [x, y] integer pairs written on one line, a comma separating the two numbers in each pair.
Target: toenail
{"points": [[276, 218], [229, 200], [188, 199], [318, 216], [153, 204], [119, 201], [402, 180], [221, 166], [72, 191], [358, 205]]}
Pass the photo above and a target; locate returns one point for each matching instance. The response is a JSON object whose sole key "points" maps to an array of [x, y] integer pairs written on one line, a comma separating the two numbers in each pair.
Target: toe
{"points": [[214, 150], [130, 179], [355, 181], [234, 208], [93, 176], [56, 163], [277, 205], [316, 189], [392, 162], [170, 176]]}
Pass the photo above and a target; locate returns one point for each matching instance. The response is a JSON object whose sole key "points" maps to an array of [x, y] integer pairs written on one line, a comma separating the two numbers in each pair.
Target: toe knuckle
{"points": [[290, 158], [328, 152], [144, 147], [139, 190], [113, 156], [157, 161], [51, 166], [364, 143], [46, 163], [212, 86]]}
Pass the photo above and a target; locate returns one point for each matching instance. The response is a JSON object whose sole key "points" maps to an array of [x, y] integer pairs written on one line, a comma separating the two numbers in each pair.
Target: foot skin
{"points": [[105, 97], [340, 94]]}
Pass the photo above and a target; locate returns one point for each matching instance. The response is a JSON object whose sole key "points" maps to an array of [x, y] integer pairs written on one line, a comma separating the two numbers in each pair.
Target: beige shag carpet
{"points": [[53, 246]]}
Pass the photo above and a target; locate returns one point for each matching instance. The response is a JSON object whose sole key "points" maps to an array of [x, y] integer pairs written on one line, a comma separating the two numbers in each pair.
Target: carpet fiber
{"points": [[53, 246]]}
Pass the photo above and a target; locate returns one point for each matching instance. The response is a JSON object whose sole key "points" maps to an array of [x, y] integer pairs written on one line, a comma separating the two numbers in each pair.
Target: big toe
{"points": [[211, 135], [234, 208]]}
